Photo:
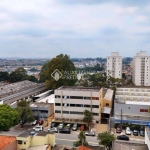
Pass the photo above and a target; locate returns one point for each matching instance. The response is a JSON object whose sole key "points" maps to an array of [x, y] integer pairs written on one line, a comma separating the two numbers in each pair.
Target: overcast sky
{"points": [[79, 28]]}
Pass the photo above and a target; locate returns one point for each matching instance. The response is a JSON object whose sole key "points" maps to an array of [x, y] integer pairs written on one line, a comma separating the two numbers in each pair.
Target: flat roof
{"points": [[79, 88], [37, 133], [35, 104], [48, 99], [106, 110], [40, 147]]}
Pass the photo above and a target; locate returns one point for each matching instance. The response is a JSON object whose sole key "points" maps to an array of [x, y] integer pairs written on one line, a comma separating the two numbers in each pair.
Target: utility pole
{"points": [[121, 119]]}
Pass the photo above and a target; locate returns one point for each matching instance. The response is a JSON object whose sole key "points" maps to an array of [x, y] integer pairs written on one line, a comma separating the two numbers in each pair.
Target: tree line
{"points": [[19, 74]]}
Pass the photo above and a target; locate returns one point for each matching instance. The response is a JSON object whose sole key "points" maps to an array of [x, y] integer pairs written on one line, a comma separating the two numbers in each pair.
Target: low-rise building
{"points": [[70, 102], [30, 139], [147, 136], [132, 105]]}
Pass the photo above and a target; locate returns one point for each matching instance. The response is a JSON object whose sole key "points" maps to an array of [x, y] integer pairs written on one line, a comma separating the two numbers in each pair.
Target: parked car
{"points": [[34, 122], [128, 131], [54, 129], [135, 132], [38, 128], [142, 133], [90, 133], [67, 131], [82, 128], [123, 137], [40, 122], [75, 127], [53, 124], [118, 129], [61, 126], [68, 126]]}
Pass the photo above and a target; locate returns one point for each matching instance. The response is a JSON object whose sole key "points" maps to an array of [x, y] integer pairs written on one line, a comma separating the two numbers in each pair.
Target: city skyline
{"points": [[81, 28]]}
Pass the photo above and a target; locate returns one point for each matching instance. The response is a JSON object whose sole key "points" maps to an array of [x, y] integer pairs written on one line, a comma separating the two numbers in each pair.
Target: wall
{"points": [[147, 139], [24, 146]]}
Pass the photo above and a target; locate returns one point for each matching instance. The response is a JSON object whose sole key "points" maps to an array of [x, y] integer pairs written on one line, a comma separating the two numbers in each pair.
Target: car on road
{"points": [[40, 122], [53, 124], [54, 129], [123, 137], [68, 126], [135, 132], [66, 131], [61, 126], [34, 122], [90, 133], [75, 127], [128, 131], [38, 128], [118, 129], [142, 133]]}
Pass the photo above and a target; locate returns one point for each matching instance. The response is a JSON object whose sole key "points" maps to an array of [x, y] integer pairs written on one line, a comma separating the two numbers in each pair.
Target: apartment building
{"points": [[70, 102], [134, 105], [141, 69], [114, 65]]}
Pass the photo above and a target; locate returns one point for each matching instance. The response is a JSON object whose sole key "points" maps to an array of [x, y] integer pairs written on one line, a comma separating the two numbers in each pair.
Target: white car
{"points": [[128, 131], [38, 128], [90, 133], [54, 129], [34, 122]]}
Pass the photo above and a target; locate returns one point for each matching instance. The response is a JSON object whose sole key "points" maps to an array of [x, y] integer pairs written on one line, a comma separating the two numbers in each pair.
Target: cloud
{"points": [[41, 28]]}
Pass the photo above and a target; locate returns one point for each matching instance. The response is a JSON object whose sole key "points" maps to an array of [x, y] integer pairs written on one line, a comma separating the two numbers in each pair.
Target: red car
{"points": [[82, 128], [40, 122], [118, 130]]}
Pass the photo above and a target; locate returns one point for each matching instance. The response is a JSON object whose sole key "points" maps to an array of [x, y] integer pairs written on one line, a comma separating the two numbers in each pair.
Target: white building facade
{"points": [[114, 65], [141, 69], [133, 104]]}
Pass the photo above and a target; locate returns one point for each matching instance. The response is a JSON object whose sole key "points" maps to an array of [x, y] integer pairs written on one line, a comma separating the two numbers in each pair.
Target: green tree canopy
{"points": [[88, 117], [66, 75], [82, 139], [25, 113], [4, 76], [106, 139], [8, 117], [19, 74]]}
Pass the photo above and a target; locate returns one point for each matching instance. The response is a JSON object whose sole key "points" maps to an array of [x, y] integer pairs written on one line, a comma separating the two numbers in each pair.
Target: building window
{"points": [[57, 104], [107, 104], [24, 143], [72, 105], [75, 112], [65, 104], [87, 98], [95, 106], [65, 97], [57, 111], [143, 110], [65, 112], [19, 142], [76, 97], [57, 96], [95, 98], [95, 114]]}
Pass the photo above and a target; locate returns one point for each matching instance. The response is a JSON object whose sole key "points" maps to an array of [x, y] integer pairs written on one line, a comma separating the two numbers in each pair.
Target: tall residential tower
{"points": [[114, 65], [141, 69]]}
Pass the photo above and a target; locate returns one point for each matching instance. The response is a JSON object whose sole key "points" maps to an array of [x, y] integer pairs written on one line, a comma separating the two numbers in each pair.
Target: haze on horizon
{"points": [[80, 28]]}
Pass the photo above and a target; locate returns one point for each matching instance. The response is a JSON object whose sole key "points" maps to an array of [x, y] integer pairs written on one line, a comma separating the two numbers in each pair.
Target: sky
{"points": [[79, 28]]}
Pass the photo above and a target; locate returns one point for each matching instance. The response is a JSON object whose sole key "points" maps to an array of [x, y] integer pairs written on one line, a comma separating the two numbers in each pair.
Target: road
{"points": [[68, 139]]}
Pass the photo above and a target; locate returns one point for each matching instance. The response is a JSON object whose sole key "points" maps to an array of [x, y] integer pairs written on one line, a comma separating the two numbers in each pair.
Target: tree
{"points": [[82, 140], [8, 117], [88, 117], [25, 113], [19, 74], [4, 76], [33, 78], [106, 139], [62, 69]]}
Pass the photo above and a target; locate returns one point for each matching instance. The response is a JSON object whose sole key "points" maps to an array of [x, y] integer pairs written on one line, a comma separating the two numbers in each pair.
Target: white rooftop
{"points": [[109, 94], [106, 110], [48, 99], [137, 103]]}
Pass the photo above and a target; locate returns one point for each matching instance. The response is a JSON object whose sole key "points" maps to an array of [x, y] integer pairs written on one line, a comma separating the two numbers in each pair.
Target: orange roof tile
{"points": [[5, 141], [83, 148]]}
